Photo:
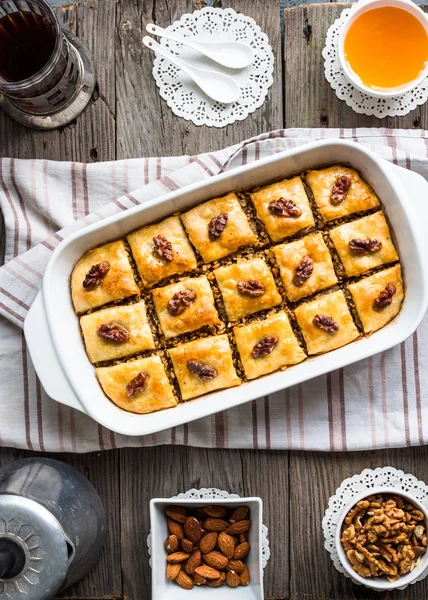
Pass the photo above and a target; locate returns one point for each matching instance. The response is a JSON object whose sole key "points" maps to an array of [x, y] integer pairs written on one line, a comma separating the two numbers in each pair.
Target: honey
{"points": [[387, 48]]}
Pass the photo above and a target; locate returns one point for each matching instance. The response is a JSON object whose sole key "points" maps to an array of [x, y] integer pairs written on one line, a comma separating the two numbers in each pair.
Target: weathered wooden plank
{"points": [[157, 130], [309, 99], [92, 136], [314, 477]]}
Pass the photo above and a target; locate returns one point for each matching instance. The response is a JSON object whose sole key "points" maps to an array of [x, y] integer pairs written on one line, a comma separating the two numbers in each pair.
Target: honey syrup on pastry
{"points": [[387, 48]]}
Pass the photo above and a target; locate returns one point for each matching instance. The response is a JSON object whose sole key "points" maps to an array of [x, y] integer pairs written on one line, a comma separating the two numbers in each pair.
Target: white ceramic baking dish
{"points": [[52, 329]]}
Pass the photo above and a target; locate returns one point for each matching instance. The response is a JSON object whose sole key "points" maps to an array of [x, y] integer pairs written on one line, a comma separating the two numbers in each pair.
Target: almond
{"points": [[241, 550], [193, 562], [215, 582], [177, 513], [172, 570], [193, 529], [232, 579], [208, 542], [216, 559], [235, 565], [177, 557], [226, 543], [215, 511], [186, 545], [244, 578], [240, 514], [198, 579], [171, 544], [176, 529], [243, 537], [208, 572], [238, 528], [213, 524], [184, 581]]}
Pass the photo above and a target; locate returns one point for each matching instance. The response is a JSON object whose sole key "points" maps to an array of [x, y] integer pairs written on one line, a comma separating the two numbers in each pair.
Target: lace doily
{"points": [[358, 101], [208, 494], [184, 97], [353, 487]]}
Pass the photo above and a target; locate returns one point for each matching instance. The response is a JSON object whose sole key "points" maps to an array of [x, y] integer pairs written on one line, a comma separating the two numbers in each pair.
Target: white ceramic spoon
{"points": [[217, 86], [234, 55]]}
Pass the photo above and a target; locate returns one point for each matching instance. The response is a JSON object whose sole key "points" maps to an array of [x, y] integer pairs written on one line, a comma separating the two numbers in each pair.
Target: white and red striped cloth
{"points": [[378, 402]]}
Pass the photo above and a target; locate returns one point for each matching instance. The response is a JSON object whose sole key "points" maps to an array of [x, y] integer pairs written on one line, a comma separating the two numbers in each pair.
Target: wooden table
{"points": [[129, 119]]}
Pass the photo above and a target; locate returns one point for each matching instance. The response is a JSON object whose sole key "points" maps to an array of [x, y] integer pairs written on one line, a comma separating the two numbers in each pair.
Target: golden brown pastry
{"points": [[306, 266], [339, 191], [103, 275], [203, 366], [364, 244], [139, 386], [378, 298], [161, 250], [247, 287], [284, 208], [117, 331], [326, 323], [218, 227], [268, 345], [185, 306]]}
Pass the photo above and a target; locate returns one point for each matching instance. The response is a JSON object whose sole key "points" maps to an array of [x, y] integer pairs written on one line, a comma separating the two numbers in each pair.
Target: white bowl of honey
{"points": [[383, 47]]}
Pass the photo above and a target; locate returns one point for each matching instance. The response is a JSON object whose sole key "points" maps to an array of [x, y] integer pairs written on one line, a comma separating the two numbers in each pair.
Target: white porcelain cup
{"points": [[362, 7], [381, 583]]}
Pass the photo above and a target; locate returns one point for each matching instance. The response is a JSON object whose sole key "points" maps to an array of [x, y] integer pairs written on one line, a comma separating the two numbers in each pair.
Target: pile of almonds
{"points": [[207, 546]]}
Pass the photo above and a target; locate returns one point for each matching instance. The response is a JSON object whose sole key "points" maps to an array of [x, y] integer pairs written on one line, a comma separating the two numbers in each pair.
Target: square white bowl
{"points": [[163, 589]]}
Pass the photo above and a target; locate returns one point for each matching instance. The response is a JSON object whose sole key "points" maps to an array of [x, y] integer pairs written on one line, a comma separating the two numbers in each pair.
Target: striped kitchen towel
{"points": [[378, 402]]}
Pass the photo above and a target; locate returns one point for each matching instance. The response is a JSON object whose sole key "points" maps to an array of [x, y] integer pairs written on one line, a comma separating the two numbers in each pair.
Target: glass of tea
{"points": [[46, 75]]}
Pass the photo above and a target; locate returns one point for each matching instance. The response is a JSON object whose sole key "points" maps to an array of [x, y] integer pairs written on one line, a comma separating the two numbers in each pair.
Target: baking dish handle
{"points": [[44, 358], [418, 196]]}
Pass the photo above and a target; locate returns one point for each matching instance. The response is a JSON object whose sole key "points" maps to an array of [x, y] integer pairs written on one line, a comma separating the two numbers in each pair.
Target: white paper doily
{"points": [[208, 494], [184, 97], [353, 487], [358, 101]]}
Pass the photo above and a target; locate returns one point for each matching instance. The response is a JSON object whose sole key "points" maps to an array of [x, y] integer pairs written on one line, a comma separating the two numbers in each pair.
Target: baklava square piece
{"points": [[378, 298], [103, 275], [139, 386], [247, 287], [305, 266], [185, 306], [339, 191], [269, 345], [283, 208], [161, 250], [364, 244], [218, 227], [203, 366], [117, 331], [326, 323]]}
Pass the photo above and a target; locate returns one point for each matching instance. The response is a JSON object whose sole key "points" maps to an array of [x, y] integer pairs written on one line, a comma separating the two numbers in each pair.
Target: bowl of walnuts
{"points": [[381, 539], [198, 547]]}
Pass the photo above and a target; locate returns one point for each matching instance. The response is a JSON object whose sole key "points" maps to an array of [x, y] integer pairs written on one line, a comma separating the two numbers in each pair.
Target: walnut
{"points": [[252, 287], [364, 246], [216, 226], [284, 208], [340, 189], [113, 332], [95, 275], [304, 270], [203, 371], [136, 385], [180, 301], [163, 248], [265, 346], [325, 322], [389, 540]]}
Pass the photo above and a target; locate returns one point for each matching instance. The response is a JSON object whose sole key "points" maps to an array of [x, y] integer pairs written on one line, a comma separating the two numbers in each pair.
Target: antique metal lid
{"points": [[34, 554]]}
